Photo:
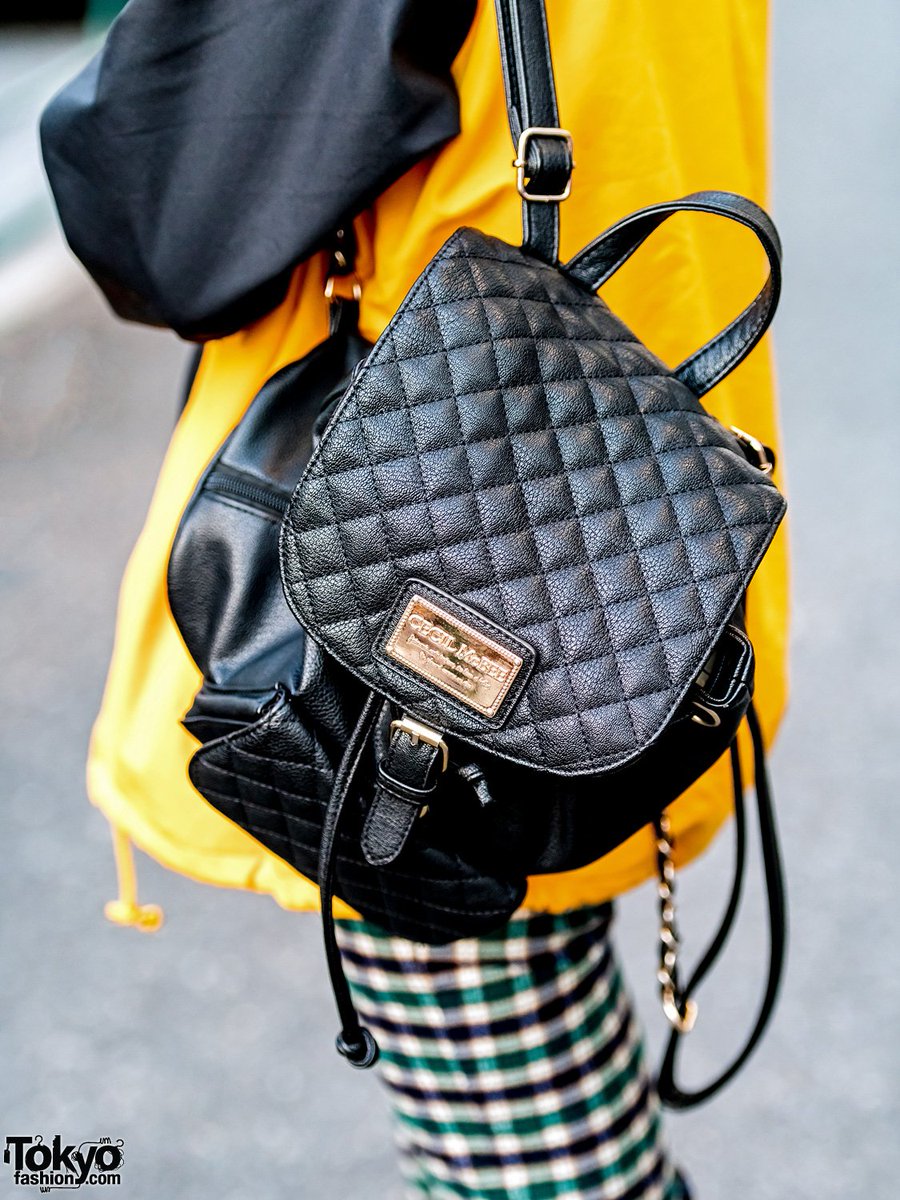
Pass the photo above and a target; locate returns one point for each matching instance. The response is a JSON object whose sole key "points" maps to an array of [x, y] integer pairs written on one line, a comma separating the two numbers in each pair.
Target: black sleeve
{"points": [[212, 145]]}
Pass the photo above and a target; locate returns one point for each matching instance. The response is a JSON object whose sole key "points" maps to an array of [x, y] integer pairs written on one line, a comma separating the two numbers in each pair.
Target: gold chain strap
{"points": [[680, 1013]]}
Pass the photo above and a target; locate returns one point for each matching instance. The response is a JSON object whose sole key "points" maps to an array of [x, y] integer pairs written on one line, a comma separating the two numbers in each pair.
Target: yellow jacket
{"points": [[662, 100]]}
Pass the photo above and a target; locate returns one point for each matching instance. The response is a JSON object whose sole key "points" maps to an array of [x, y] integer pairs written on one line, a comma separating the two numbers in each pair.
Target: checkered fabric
{"points": [[514, 1062]]}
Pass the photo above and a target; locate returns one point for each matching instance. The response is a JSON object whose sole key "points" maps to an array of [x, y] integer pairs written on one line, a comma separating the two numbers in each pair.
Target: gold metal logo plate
{"points": [[453, 656]]}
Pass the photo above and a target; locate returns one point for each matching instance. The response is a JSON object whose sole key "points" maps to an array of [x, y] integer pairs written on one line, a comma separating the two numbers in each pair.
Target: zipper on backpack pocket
{"points": [[252, 491]]}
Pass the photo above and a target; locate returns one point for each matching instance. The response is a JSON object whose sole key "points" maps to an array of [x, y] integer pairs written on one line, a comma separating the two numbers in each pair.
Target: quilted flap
{"points": [[518, 525]]}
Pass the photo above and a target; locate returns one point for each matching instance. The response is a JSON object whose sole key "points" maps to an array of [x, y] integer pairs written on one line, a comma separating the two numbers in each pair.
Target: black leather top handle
{"points": [[543, 150], [599, 261]]}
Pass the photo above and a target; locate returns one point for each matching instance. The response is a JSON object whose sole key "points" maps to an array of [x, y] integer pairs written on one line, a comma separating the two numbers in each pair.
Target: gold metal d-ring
{"points": [[760, 452], [332, 279]]}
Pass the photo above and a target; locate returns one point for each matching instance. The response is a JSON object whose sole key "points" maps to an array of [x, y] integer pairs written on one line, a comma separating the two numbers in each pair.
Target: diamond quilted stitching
{"points": [[482, 422], [536, 455], [527, 455], [474, 369], [280, 801], [558, 544], [547, 499]]}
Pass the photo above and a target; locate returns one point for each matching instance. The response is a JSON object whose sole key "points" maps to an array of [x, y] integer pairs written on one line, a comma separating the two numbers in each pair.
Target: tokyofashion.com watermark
{"points": [[48, 1166]]}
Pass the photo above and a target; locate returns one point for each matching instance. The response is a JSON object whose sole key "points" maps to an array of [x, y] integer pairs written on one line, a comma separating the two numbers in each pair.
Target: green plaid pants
{"points": [[514, 1062]]}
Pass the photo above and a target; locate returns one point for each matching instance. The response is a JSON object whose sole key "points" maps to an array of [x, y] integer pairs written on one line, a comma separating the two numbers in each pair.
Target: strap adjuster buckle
{"points": [[520, 162], [417, 732]]}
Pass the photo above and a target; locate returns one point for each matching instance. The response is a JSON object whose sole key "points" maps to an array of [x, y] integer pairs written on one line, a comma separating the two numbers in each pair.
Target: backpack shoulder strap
{"points": [[543, 159], [600, 260], [670, 1091]]}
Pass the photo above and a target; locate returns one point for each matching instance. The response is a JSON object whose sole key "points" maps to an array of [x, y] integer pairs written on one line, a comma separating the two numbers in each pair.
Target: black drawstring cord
{"points": [[669, 1091], [354, 1042]]}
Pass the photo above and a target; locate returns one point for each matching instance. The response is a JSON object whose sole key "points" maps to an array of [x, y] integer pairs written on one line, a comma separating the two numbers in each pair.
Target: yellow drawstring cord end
{"points": [[126, 910]]}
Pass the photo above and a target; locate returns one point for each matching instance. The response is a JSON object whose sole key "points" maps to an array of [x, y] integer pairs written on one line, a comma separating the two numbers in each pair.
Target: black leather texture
{"points": [[223, 582], [517, 560], [511, 443], [274, 778], [273, 717], [404, 784], [530, 88], [600, 260]]}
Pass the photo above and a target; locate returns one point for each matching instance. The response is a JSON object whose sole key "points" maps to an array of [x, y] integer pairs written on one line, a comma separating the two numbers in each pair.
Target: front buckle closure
{"points": [[761, 455], [520, 162], [417, 732]]}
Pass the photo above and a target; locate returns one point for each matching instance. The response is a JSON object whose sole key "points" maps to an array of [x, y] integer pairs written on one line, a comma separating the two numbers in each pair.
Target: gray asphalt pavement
{"points": [[207, 1047]]}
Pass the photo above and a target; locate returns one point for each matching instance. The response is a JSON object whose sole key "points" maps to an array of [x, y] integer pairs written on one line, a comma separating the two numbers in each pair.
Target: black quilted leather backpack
{"points": [[514, 553]]}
